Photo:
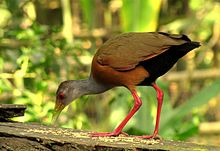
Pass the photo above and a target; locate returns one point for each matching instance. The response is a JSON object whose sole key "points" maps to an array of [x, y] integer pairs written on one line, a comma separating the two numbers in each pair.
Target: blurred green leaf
{"points": [[140, 16], [88, 12], [199, 99]]}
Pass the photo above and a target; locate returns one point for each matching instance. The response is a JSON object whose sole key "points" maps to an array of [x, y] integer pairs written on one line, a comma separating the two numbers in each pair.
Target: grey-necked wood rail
{"points": [[129, 60]]}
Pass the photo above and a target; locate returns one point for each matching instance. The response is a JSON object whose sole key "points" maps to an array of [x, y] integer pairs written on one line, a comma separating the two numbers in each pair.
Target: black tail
{"points": [[195, 44], [188, 46]]}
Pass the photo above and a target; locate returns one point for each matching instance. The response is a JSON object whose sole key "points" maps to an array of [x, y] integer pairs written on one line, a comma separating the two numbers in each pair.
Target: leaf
{"points": [[88, 12], [199, 99], [140, 16]]}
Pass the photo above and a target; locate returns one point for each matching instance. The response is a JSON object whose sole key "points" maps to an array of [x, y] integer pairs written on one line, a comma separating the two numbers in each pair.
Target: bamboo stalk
{"points": [[194, 75], [210, 127], [67, 20]]}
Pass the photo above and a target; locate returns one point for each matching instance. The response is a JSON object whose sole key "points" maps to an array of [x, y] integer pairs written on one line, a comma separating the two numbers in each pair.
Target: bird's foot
{"points": [[103, 134], [156, 137], [107, 134]]}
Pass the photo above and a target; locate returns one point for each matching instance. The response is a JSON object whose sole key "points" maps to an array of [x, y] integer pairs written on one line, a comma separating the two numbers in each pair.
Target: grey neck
{"points": [[90, 86]]}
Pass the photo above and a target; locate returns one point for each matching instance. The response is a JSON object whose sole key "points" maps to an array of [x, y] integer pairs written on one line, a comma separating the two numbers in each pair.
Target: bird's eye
{"points": [[61, 95]]}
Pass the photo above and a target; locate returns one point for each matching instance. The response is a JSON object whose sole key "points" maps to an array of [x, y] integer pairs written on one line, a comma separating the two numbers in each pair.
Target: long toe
{"points": [[103, 134], [107, 134], [156, 137]]}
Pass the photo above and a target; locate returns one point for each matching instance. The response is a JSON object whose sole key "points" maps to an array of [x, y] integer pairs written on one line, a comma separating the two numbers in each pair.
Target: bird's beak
{"points": [[57, 110]]}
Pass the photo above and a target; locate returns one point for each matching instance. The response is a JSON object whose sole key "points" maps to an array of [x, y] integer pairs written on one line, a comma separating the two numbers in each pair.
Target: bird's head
{"points": [[66, 93]]}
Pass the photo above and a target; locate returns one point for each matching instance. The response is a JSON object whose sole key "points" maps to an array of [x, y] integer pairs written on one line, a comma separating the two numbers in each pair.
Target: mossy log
{"points": [[26, 136]]}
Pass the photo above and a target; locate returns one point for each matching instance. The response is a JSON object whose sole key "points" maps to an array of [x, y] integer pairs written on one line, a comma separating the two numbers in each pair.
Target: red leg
{"points": [[118, 130], [159, 106]]}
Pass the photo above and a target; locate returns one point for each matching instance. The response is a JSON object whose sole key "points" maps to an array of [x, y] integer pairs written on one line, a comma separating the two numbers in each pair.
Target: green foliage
{"points": [[38, 66], [88, 12], [179, 115], [140, 16]]}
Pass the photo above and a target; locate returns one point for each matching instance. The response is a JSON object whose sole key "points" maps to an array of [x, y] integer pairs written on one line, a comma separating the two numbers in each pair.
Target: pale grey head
{"points": [[70, 90]]}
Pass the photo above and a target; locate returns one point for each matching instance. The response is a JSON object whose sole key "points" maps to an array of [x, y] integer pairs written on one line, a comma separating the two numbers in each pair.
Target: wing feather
{"points": [[125, 51]]}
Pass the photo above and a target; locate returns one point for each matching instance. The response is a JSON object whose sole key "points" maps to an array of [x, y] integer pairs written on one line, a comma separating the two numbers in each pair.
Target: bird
{"points": [[129, 60]]}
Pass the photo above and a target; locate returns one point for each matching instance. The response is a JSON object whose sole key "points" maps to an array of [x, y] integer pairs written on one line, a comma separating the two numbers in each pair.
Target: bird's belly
{"points": [[109, 76]]}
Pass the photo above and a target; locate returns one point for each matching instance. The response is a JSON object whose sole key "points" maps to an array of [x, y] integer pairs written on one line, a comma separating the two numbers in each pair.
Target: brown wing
{"points": [[125, 51]]}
